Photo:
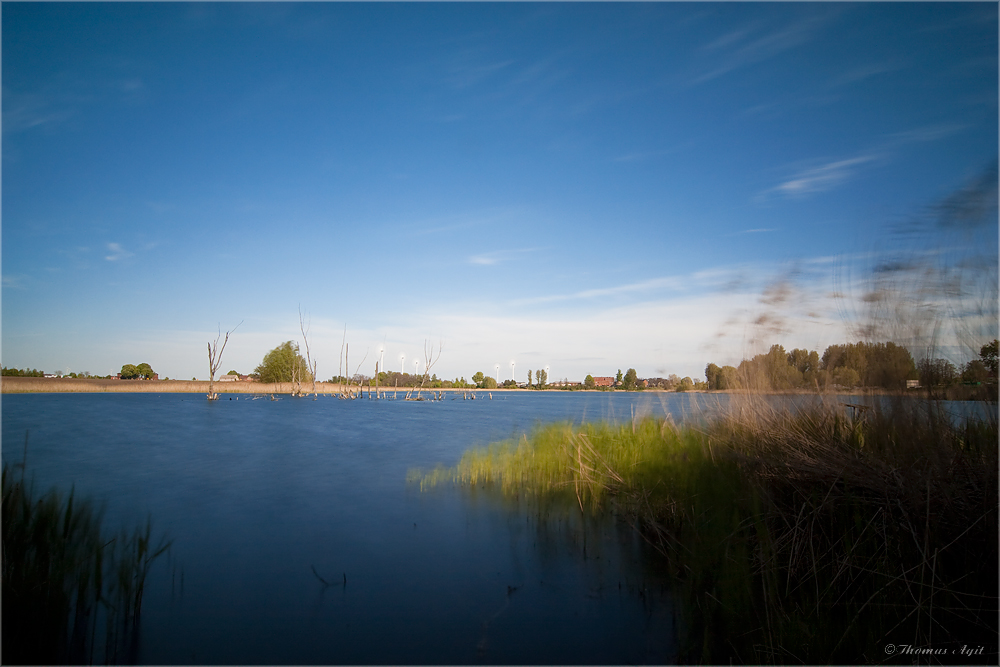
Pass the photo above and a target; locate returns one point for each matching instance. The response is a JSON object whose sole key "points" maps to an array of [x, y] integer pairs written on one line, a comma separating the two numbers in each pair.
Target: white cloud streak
{"points": [[746, 46], [818, 179], [492, 258], [117, 252], [671, 283]]}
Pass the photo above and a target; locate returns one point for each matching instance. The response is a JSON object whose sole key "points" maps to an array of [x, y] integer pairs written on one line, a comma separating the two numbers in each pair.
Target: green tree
{"points": [[129, 372], [889, 366], [588, 382], [489, 383], [284, 364], [846, 377], [728, 380], [618, 378], [937, 373], [541, 378], [989, 354], [804, 361], [686, 384], [478, 379], [631, 380], [14, 372], [713, 374], [975, 371], [145, 371], [529, 378], [232, 373]]}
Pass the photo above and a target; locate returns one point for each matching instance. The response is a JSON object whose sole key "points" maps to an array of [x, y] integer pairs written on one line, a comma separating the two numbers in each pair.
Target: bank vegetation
{"points": [[819, 534]]}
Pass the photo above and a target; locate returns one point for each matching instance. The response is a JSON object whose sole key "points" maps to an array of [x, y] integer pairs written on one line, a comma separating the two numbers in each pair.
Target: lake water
{"points": [[256, 494]]}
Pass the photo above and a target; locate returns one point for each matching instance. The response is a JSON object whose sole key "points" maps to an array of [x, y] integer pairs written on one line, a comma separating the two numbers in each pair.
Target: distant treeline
{"points": [[35, 373], [877, 365], [23, 373], [392, 379]]}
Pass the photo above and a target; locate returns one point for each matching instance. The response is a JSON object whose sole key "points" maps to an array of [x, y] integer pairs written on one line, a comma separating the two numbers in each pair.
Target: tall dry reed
{"points": [[28, 385], [819, 534]]}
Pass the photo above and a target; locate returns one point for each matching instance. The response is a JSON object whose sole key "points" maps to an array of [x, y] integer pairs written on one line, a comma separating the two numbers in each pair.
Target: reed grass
{"points": [[796, 536], [28, 385], [71, 594]]}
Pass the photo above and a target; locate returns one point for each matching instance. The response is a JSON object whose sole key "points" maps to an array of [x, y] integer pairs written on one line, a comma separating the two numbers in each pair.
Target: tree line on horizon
{"points": [[35, 373], [852, 365]]}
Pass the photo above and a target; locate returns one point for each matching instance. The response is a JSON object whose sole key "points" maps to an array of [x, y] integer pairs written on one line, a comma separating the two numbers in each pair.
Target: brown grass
{"points": [[28, 385], [25, 385], [813, 535]]}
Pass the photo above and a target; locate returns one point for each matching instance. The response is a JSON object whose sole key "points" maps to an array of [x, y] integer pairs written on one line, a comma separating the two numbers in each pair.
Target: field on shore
{"points": [[29, 385], [34, 385]]}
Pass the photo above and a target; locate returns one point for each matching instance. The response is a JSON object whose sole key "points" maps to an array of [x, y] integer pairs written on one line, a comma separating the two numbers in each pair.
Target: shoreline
{"points": [[29, 385], [34, 385]]}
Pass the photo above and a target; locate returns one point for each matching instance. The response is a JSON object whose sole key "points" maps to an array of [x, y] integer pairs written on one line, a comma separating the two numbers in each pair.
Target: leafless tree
{"points": [[310, 364], [215, 359], [429, 360], [357, 370], [340, 370]]}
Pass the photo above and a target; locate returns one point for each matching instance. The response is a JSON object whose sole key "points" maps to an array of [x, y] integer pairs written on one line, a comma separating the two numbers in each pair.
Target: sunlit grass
{"points": [[795, 536]]}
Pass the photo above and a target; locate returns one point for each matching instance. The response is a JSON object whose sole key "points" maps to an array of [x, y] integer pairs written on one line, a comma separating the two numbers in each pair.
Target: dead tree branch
{"points": [[215, 359], [310, 364]]}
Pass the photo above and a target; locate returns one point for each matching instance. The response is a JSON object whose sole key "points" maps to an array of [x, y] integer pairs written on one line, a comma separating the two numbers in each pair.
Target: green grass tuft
{"points": [[796, 536]]}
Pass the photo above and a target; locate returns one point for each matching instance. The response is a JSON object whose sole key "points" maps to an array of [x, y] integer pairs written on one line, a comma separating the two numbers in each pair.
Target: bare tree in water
{"points": [[215, 359], [310, 364], [429, 360]]}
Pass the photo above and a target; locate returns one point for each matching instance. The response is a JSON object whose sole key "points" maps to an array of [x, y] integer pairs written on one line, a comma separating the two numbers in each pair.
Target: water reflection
{"points": [[569, 565]]}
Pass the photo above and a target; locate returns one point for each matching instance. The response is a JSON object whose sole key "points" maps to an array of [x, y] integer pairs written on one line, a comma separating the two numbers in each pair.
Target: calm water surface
{"points": [[256, 494]]}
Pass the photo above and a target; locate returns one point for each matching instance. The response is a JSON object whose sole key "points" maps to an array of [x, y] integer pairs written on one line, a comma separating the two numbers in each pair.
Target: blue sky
{"points": [[586, 187]]}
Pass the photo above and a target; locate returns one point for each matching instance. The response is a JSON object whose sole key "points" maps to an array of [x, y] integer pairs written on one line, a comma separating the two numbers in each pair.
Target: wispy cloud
{"points": [[23, 111], [639, 156], [671, 283], [491, 258], [923, 134], [465, 73], [453, 223], [117, 252], [447, 228], [819, 179], [812, 180], [863, 72], [748, 46], [14, 282], [759, 231], [59, 99]]}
